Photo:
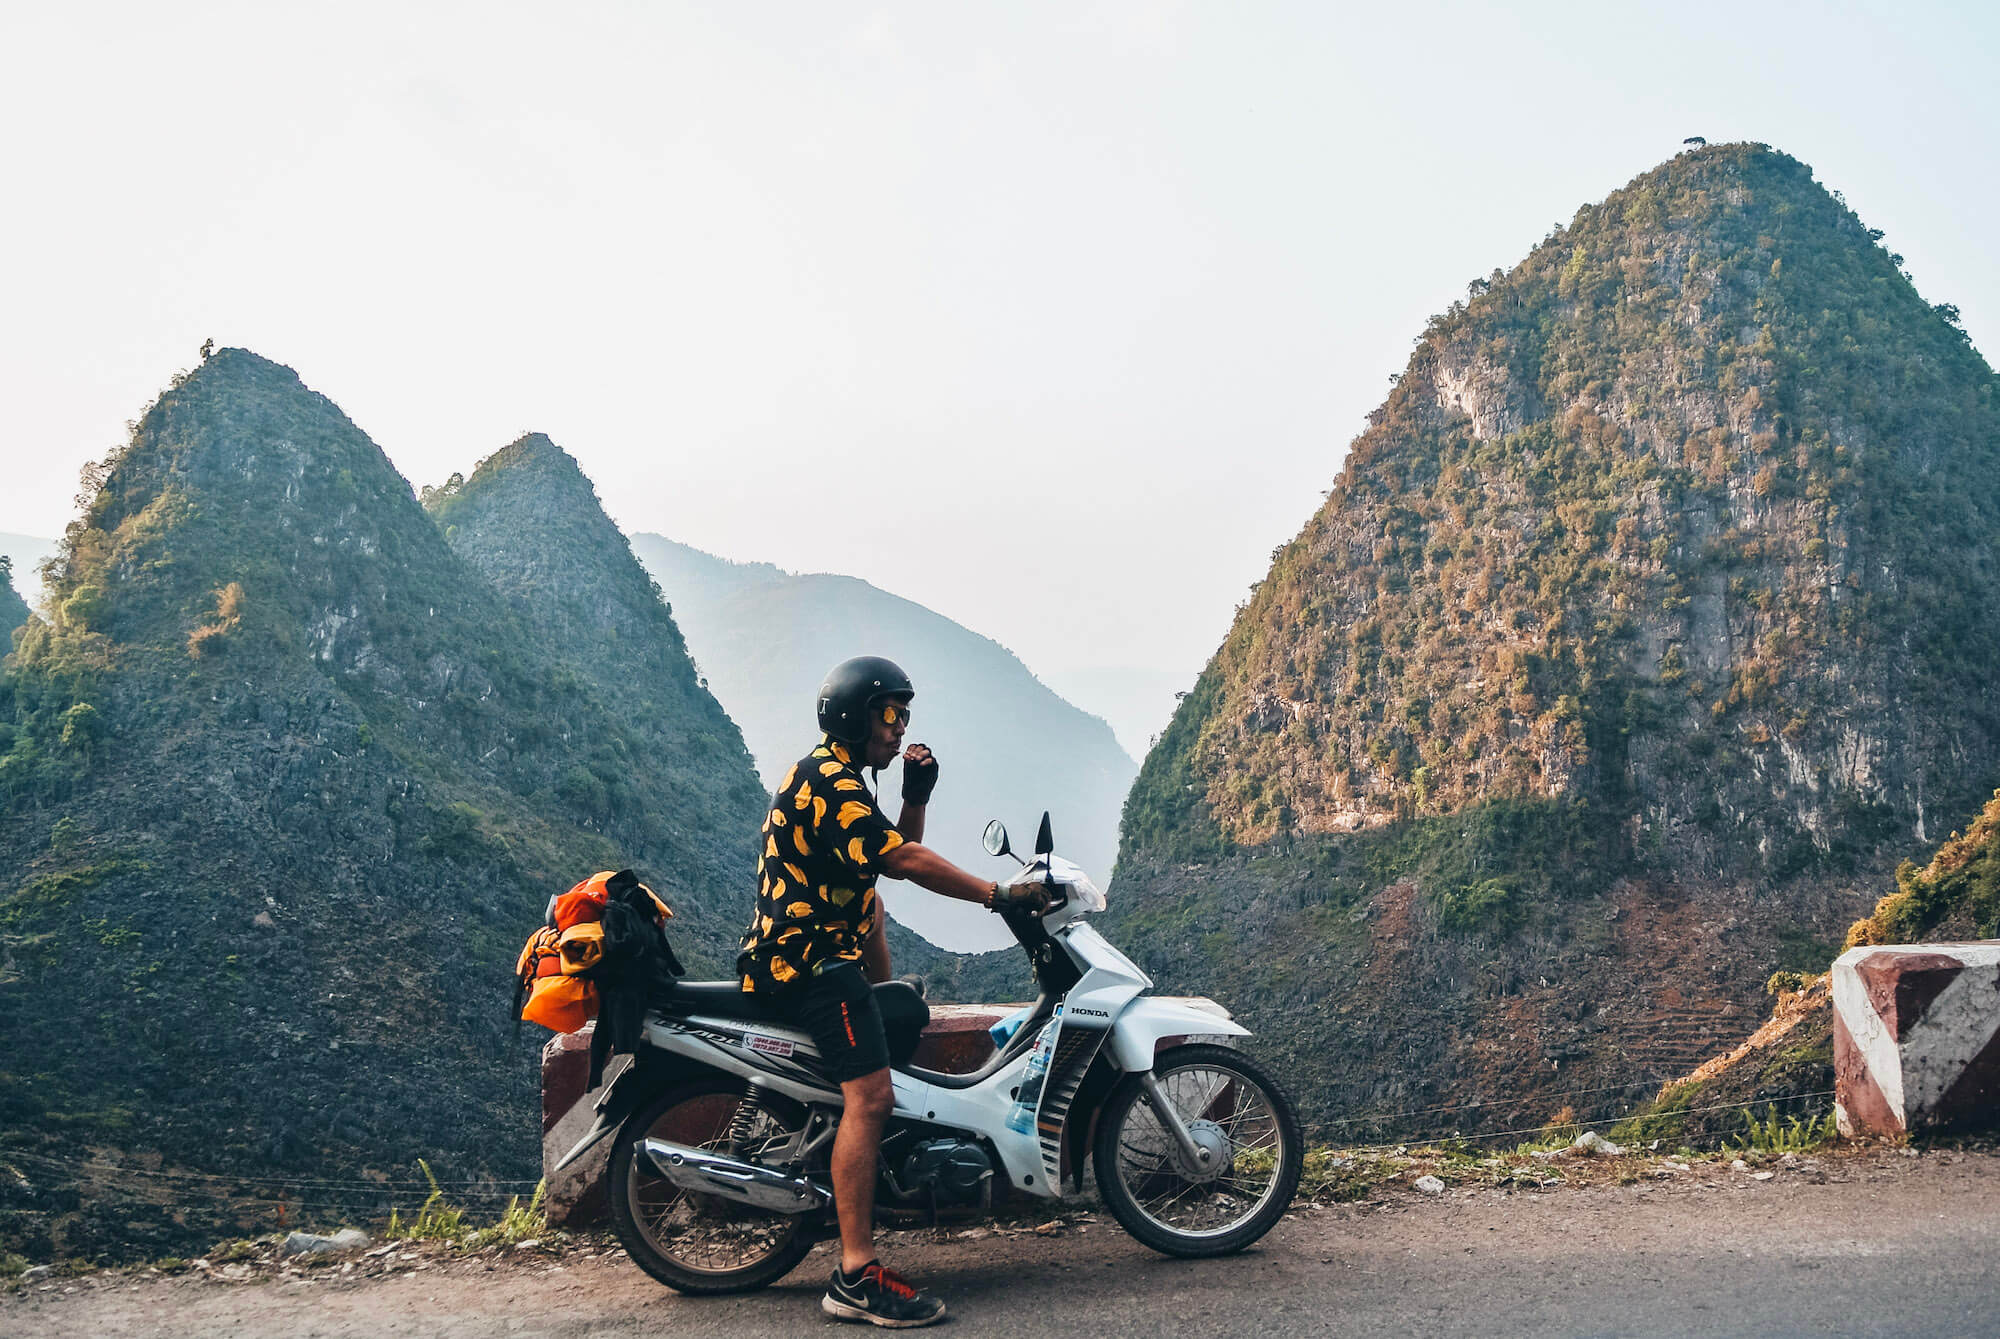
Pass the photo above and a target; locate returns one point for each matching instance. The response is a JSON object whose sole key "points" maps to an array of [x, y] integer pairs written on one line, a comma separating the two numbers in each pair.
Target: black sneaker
{"points": [[880, 1297]]}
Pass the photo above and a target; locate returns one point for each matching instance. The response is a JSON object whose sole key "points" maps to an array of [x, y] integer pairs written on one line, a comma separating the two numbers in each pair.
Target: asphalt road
{"points": [[1885, 1246]]}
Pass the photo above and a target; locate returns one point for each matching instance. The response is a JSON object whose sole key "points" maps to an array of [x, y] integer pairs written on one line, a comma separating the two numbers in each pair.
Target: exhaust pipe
{"points": [[707, 1173]]}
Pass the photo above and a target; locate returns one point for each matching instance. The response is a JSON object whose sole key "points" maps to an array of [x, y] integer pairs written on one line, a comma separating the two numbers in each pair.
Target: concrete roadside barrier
{"points": [[1916, 1037]]}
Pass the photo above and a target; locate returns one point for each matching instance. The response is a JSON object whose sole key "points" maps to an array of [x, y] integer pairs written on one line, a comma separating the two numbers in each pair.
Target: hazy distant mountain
{"points": [[1137, 702], [27, 552], [1008, 745], [13, 610]]}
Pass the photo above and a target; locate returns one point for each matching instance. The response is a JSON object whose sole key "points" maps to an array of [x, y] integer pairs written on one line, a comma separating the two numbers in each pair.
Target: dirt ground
{"points": [[1858, 1244]]}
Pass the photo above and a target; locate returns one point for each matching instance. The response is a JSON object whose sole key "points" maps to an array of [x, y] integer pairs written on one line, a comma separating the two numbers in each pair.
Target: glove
{"points": [[920, 774], [1018, 897]]}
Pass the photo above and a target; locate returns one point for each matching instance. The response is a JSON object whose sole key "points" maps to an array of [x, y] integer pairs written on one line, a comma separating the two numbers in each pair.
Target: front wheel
{"points": [[1231, 1107]]}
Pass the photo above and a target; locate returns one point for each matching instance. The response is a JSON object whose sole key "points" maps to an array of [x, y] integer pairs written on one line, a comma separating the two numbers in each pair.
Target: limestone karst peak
{"points": [[1643, 631]]}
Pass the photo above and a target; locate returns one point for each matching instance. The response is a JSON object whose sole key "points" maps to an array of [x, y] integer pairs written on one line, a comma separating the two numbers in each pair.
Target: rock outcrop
{"points": [[530, 522], [285, 782], [1645, 623]]}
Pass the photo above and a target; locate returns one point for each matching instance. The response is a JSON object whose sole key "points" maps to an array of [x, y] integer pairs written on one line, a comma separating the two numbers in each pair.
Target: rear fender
{"points": [[1149, 1020], [632, 1087]]}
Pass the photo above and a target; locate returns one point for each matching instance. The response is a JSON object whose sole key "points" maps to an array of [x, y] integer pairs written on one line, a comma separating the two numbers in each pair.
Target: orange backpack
{"points": [[553, 972]]}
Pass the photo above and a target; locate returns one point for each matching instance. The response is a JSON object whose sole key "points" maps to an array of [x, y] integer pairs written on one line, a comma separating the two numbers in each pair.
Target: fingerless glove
{"points": [[919, 780]]}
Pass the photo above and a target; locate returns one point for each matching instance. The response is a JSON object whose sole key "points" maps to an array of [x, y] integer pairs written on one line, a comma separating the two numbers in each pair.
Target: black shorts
{"points": [[846, 1017]]}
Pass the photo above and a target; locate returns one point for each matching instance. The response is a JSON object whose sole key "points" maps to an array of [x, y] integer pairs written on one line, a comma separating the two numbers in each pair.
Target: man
{"points": [[817, 940]]}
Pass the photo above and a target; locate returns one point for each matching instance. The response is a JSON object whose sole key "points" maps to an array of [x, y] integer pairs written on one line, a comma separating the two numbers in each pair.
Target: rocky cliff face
{"points": [[285, 783], [1644, 622], [530, 523]]}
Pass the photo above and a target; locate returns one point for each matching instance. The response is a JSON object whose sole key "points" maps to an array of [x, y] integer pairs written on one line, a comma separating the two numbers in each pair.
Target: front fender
{"points": [[1147, 1021]]}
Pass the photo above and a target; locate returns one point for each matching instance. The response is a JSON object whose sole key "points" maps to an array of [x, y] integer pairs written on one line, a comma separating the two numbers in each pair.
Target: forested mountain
{"points": [[1645, 625], [285, 783], [530, 523], [1008, 746], [13, 609]]}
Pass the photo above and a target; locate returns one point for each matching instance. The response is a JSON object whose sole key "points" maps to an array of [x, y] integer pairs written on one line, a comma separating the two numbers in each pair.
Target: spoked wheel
{"points": [[703, 1243], [1234, 1111]]}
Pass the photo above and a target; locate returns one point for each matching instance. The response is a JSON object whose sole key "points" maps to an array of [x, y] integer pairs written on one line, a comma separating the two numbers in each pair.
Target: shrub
{"points": [[82, 727], [85, 606], [228, 617]]}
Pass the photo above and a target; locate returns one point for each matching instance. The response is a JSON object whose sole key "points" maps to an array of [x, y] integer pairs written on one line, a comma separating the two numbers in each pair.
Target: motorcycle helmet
{"points": [[851, 687]]}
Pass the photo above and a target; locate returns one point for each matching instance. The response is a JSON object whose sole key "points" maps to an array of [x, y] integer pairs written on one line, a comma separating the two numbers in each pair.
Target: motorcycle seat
{"points": [[720, 999], [904, 1013]]}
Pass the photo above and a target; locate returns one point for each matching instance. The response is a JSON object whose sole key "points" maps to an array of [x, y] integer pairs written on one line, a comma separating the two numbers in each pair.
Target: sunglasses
{"points": [[895, 714]]}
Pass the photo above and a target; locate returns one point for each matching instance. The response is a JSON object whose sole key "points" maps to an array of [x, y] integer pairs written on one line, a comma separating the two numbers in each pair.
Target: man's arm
{"points": [[927, 869], [911, 822]]}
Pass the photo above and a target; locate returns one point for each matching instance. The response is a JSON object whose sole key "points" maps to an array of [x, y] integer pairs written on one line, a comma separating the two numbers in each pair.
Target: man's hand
{"points": [[920, 774], [1033, 897]]}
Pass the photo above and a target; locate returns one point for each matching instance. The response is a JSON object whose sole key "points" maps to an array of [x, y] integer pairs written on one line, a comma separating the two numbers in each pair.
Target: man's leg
{"points": [[843, 1018], [857, 1146]]}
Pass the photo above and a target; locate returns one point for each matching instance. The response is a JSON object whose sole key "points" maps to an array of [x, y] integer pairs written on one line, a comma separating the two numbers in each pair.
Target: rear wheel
{"points": [[1232, 1108], [702, 1243]]}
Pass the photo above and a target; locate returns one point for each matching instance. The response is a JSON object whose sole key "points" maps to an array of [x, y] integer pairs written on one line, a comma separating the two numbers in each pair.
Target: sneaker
{"points": [[880, 1297]]}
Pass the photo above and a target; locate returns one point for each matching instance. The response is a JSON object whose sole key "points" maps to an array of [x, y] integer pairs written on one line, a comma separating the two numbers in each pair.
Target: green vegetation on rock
{"points": [[284, 782], [529, 521], [1690, 515], [1646, 621], [1955, 896]]}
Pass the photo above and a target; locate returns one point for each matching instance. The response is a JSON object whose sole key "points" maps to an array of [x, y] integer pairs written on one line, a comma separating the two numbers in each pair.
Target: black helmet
{"points": [[851, 687]]}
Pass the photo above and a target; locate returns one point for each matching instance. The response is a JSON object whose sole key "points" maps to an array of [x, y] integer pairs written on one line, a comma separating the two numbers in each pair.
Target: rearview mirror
{"points": [[994, 839], [1045, 841]]}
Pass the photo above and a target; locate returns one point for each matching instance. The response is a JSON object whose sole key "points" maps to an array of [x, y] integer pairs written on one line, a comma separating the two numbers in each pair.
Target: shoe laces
{"points": [[891, 1280]]}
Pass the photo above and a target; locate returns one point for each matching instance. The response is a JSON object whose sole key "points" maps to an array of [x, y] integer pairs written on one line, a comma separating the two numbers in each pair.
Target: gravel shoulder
{"points": [[1876, 1243]]}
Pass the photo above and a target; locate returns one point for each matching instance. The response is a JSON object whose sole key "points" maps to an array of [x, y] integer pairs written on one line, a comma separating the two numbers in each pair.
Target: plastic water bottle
{"points": [[1021, 1119]]}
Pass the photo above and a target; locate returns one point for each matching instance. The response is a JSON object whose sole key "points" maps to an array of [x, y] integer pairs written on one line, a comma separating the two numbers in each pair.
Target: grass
{"points": [[440, 1220], [1665, 1120], [1777, 1134]]}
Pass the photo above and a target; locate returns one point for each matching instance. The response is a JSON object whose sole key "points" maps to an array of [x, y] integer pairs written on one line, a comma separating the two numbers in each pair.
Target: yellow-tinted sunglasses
{"points": [[895, 713]]}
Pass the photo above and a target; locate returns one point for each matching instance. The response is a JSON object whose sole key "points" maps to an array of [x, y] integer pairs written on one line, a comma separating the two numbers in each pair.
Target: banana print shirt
{"points": [[824, 840]]}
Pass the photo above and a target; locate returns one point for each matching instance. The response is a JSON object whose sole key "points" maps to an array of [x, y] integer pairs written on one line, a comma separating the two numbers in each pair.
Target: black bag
{"points": [[638, 967]]}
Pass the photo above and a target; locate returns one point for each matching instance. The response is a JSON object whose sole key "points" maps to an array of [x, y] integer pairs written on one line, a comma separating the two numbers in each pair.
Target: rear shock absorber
{"points": [[744, 1123]]}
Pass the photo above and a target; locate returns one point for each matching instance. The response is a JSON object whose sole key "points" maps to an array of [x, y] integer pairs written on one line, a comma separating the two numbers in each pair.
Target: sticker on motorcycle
{"points": [[769, 1045]]}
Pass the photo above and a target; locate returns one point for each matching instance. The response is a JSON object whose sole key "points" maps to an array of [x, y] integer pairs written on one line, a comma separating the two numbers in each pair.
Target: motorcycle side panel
{"points": [[981, 1111], [734, 1048], [1148, 1021]]}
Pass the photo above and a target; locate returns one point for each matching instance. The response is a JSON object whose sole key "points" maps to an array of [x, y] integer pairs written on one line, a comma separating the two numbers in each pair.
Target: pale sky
{"points": [[1056, 318]]}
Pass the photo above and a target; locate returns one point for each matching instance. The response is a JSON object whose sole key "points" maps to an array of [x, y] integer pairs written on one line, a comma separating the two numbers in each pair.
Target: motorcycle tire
{"points": [[699, 1114], [1140, 1171]]}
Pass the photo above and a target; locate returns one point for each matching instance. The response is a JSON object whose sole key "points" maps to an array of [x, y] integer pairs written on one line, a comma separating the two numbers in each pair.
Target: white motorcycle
{"points": [[725, 1120]]}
